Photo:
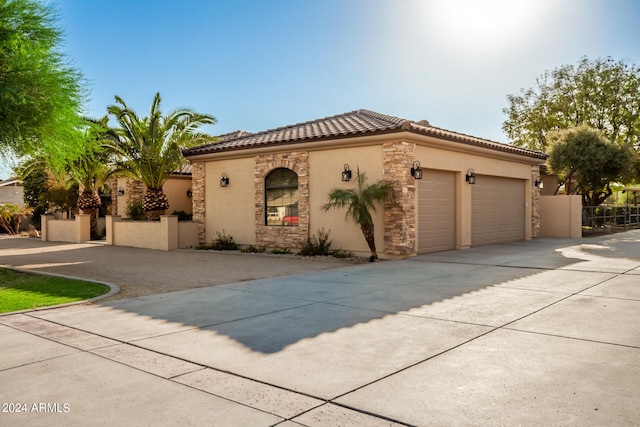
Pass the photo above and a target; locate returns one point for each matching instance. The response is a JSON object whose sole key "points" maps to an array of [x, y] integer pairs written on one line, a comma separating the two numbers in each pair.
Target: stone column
{"points": [[198, 199], [535, 202], [400, 219]]}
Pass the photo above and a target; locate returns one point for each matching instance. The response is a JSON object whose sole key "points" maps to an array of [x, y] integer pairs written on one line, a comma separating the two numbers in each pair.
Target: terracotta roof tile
{"points": [[354, 123]]}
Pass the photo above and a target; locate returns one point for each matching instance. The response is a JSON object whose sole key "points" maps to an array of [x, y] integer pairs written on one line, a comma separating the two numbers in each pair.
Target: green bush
{"points": [[317, 244], [224, 242], [183, 216], [341, 254], [135, 211]]}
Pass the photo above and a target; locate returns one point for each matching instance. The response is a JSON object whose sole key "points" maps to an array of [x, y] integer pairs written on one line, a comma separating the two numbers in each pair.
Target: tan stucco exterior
{"points": [[175, 188], [236, 210]]}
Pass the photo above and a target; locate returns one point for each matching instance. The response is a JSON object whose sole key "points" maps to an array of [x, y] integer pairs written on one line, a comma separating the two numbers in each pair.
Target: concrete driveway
{"points": [[543, 332]]}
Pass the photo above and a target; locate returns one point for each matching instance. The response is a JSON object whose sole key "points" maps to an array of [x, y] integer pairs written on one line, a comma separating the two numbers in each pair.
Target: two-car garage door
{"points": [[497, 211]]}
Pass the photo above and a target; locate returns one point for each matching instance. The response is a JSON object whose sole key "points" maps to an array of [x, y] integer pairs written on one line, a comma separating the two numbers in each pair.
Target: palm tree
{"points": [[360, 202], [92, 170], [150, 148]]}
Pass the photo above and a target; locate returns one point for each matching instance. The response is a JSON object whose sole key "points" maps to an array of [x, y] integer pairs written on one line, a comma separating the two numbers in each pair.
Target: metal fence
{"points": [[609, 219]]}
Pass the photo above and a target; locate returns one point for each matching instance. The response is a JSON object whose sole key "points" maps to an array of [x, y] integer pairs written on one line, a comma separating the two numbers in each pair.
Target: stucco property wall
{"points": [[561, 216]]}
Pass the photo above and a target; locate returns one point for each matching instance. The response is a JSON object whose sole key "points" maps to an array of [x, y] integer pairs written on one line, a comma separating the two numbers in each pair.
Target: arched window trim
{"points": [[276, 214]]}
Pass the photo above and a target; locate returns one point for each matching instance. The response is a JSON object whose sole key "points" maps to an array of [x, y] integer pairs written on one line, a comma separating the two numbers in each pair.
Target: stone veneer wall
{"points": [[198, 199], [112, 183], [535, 202], [134, 191], [400, 219], [271, 236]]}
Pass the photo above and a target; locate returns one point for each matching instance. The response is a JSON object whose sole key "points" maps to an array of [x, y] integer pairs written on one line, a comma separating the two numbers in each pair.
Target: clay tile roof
{"points": [[354, 123]]}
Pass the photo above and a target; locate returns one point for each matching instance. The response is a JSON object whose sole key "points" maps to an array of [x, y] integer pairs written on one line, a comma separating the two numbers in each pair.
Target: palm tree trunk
{"points": [[155, 203], [368, 231]]}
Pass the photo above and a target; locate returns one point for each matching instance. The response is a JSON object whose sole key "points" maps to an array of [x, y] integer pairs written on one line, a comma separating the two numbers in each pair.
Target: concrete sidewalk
{"points": [[543, 332]]}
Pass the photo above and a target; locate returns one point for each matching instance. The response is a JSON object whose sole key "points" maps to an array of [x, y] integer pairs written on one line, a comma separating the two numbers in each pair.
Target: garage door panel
{"points": [[436, 211], [498, 210]]}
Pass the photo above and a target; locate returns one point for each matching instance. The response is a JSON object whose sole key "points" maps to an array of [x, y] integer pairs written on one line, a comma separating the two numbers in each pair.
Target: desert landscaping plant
{"points": [[360, 203], [135, 211], [317, 244]]}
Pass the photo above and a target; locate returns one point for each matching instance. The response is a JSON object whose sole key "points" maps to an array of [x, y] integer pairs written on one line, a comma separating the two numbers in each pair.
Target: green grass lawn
{"points": [[23, 291]]}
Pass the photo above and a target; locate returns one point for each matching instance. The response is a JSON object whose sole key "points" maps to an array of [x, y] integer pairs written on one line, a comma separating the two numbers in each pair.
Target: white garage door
{"points": [[436, 211], [497, 210]]}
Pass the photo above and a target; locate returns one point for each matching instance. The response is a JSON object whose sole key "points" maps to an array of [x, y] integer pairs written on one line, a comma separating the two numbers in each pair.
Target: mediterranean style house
{"points": [[453, 190]]}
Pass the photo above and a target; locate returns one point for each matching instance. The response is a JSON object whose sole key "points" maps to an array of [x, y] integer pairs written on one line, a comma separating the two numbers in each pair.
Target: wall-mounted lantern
{"points": [[471, 177], [416, 171], [224, 181], [346, 173], [120, 191], [539, 184]]}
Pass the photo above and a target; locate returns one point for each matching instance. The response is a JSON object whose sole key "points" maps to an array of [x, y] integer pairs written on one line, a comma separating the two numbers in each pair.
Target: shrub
{"points": [[135, 211], [224, 242], [341, 254], [183, 216], [317, 244]]}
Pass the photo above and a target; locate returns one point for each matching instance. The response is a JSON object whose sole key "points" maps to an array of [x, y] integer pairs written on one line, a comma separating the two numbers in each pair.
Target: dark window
{"points": [[281, 197]]}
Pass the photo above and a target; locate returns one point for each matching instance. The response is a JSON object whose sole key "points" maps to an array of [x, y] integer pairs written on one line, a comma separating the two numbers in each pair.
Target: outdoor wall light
{"points": [[416, 172], [346, 173], [471, 177], [120, 191], [224, 181], [189, 193], [539, 184]]}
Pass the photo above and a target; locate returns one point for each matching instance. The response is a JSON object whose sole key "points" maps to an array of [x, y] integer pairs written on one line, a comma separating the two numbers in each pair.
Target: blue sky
{"points": [[257, 65]]}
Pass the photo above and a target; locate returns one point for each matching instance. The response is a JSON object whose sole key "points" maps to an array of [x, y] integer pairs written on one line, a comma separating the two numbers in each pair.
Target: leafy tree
{"points": [[150, 148], [360, 202], [35, 185], [40, 93], [587, 157], [603, 94]]}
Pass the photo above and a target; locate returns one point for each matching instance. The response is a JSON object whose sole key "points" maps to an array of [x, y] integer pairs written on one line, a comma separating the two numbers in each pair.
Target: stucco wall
{"points": [[176, 189], [561, 216], [230, 209], [325, 174], [66, 230], [12, 194]]}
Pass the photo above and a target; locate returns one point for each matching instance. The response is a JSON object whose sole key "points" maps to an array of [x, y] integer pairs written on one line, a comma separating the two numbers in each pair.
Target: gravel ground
{"points": [[141, 272]]}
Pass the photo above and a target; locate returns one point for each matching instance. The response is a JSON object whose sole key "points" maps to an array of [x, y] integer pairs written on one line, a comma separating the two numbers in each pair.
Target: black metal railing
{"points": [[609, 219]]}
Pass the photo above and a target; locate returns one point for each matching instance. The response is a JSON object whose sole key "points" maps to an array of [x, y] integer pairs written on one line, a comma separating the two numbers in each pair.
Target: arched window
{"points": [[281, 197]]}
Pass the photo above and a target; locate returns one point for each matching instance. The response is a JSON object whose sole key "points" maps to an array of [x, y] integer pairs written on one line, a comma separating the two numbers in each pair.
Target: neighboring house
{"points": [[11, 191], [267, 188]]}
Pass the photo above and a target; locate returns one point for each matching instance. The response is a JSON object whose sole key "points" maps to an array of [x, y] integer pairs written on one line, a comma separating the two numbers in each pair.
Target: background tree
{"points": [[587, 157], [35, 184], [603, 94], [360, 203], [150, 148], [40, 93]]}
